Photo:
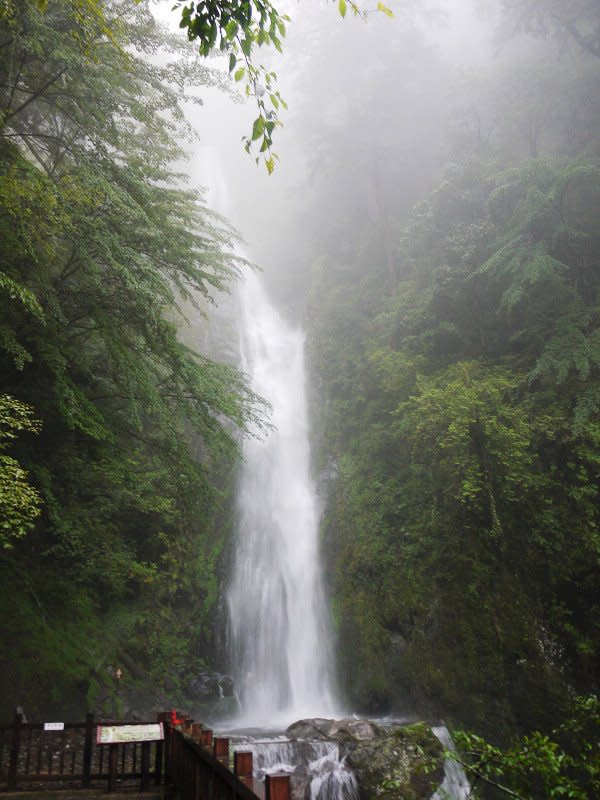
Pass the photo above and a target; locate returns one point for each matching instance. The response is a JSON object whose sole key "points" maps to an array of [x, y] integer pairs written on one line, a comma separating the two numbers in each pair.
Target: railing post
{"points": [[277, 787], [160, 749], [87, 749], [242, 764], [221, 747], [15, 746], [206, 737], [113, 758], [167, 771], [145, 784]]}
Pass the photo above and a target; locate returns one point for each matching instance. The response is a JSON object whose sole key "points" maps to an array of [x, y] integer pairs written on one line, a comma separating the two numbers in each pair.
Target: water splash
{"points": [[332, 780]]}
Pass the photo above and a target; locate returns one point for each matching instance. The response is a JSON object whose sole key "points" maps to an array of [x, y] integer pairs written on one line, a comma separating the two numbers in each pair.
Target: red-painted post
{"points": [[277, 787], [221, 747], [242, 763], [206, 737]]}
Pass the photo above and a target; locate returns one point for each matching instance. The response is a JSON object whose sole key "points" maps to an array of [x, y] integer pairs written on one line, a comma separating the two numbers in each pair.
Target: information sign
{"points": [[54, 726], [116, 734]]}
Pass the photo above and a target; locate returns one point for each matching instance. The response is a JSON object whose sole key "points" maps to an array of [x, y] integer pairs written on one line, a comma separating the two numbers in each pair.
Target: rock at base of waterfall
{"points": [[337, 729], [397, 762], [403, 762]]}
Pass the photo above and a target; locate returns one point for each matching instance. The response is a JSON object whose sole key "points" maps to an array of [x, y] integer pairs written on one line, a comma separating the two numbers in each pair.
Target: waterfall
{"points": [[279, 642], [456, 785]]}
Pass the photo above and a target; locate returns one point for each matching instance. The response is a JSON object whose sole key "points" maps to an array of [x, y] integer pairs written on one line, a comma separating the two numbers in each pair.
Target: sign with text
{"points": [[117, 734], [54, 726]]}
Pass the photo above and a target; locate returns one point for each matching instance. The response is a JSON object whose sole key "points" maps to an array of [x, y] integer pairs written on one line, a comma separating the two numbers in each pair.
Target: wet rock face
{"points": [[210, 686], [404, 762], [318, 729], [337, 730], [399, 762]]}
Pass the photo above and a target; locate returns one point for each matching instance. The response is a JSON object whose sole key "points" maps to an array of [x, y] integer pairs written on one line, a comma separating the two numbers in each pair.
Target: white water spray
{"points": [[279, 638]]}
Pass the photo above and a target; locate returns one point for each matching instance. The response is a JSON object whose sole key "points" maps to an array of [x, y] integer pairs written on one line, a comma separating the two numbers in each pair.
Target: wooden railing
{"points": [[198, 765], [30, 755], [201, 767]]}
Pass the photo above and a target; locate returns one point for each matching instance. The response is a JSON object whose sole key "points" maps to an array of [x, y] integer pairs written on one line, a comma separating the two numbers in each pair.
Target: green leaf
{"points": [[231, 29], [342, 7], [232, 62], [383, 8], [239, 74], [258, 128]]}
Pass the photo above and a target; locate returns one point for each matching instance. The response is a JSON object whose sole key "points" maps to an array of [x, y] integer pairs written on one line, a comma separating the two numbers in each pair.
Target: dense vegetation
{"points": [[117, 440], [455, 349], [454, 337], [465, 427]]}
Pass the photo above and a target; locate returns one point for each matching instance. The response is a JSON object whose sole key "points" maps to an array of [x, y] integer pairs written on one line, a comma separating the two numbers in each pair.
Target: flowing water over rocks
{"points": [[357, 759]]}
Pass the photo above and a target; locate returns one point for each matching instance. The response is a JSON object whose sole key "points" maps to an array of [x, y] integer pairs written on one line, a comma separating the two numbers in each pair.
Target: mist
{"points": [[317, 443]]}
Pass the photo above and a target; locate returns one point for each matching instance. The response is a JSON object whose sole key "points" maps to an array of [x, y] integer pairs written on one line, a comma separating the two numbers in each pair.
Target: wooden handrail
{"points": [[198, 765], [193, 766]]}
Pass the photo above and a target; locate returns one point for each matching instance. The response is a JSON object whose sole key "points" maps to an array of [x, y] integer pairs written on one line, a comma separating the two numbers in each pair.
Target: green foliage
{"points": [[239, 28], [563, 764], [19, 501], [102, 243], [462, 437]]}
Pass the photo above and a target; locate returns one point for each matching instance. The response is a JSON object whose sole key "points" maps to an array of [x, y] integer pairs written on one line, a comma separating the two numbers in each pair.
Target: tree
{"points": [[102, 243], [238, 28], [567, 20], [19, 501]]}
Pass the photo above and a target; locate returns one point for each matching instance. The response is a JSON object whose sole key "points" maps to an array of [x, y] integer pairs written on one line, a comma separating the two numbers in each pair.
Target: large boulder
{"points": [[401, 763], [317, 729], [389, 762]]}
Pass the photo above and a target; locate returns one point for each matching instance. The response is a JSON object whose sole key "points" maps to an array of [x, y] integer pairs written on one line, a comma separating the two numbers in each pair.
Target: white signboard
{"points": [[115, 734], [54, 726]]}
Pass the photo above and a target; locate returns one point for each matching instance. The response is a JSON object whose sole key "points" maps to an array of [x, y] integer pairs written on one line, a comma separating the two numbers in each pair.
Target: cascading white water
{"points": [[456, 785], [279, 638]]}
